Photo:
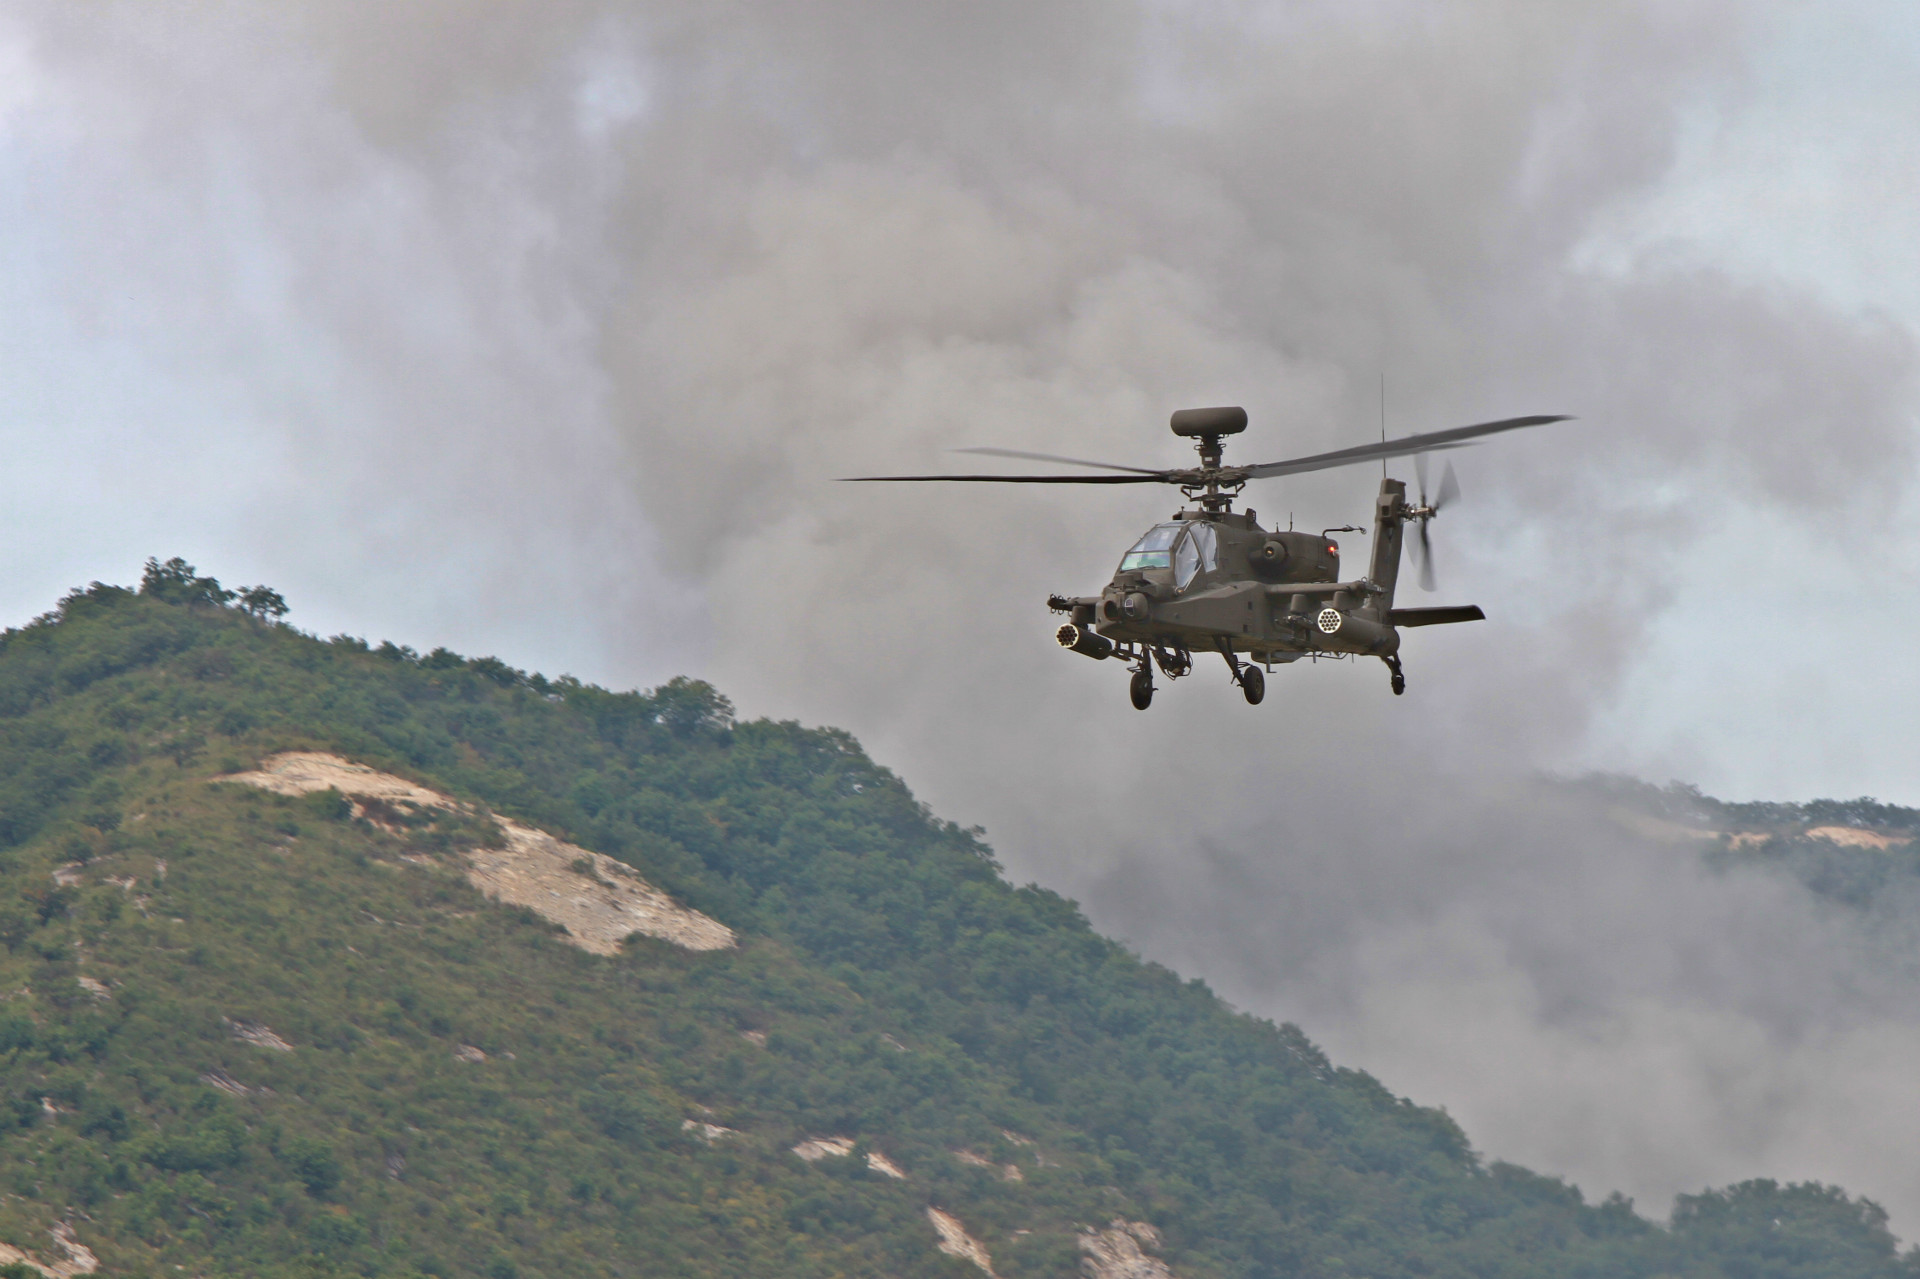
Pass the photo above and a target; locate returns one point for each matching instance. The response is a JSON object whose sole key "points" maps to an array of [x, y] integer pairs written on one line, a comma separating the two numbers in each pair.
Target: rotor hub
{"points": [[1212, 485]]}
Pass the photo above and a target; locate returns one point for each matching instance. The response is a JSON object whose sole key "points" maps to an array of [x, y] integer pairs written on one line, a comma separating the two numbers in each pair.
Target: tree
{"points": [[178, 582], [684, 705], [1763, 1228], [262, 602]]}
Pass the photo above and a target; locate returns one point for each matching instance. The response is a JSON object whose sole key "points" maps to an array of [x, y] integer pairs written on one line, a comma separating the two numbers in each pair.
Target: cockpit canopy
{"points": [[1184, 548]]}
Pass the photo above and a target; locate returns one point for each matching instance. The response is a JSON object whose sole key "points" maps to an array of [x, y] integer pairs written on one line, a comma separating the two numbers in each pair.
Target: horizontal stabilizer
{"points": [[1435, 616]]}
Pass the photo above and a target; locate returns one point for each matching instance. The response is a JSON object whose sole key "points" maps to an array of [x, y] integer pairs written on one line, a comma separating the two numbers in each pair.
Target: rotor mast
{"points": [[1207, 491]]}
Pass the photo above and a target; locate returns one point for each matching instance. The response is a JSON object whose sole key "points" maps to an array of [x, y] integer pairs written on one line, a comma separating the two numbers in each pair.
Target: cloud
{"points": [[1586, 999], [248, 330]]}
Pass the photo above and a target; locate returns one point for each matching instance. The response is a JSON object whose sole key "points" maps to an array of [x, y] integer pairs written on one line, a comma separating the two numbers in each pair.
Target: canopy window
{"points": [[1195, 550], [1155, 550], [1203, 537], [1186, 562]]}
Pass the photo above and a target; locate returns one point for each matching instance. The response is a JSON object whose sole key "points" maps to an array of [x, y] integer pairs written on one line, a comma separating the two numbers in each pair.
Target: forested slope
{"points": [[251, 1034], [1860, 853]]}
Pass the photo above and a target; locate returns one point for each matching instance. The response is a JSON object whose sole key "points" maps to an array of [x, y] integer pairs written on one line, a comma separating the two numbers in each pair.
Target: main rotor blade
{"points": [[1152, 477], [1415, 444], [1068, 461]]}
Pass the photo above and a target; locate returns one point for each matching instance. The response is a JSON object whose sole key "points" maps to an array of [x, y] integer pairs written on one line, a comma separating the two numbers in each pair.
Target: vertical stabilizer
{"points": [[1389, 518]]}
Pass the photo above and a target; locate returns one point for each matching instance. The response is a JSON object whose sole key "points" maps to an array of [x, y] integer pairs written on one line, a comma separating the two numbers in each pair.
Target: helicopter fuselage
{"points": [[1245, 588], [1215, 581]]}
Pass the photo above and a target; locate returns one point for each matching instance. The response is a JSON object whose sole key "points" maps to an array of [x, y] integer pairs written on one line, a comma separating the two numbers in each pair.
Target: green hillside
{"points": [[249, 1034], [1860, 853]]}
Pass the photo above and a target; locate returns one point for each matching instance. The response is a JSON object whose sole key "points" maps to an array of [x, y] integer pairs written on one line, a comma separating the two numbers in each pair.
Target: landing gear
{"points": [[1253, 683], [1141, 689], [1399, 678]]}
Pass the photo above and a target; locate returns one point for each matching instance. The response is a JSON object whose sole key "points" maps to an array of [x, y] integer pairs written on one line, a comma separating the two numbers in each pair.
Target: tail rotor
{"points": [[1443, 496]]}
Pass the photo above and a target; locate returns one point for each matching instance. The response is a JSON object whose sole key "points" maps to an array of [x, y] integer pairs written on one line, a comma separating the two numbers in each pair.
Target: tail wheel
{"points": [[1141, 690], [1253, 682]]}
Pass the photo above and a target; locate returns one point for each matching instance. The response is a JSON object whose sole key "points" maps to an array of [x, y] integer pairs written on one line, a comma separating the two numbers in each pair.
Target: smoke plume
{"points": [[547, 330]]}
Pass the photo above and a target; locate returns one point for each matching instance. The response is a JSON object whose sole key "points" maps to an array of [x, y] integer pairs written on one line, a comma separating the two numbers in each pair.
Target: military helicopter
{"points": [[1211, 579]]}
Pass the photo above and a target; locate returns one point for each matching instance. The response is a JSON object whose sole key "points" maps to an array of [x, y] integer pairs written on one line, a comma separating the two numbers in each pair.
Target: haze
{"points": [[542, 330]]}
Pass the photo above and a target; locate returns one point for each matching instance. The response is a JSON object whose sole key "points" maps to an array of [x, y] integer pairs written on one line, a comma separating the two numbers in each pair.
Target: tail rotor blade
{"points": [[1449, 490]]}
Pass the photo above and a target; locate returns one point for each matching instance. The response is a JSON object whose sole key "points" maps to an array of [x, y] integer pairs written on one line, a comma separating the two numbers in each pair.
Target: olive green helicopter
{"points": [[1211, 579]]}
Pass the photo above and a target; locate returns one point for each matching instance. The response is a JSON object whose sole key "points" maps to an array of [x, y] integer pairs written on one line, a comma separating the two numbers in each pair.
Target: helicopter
{"points": [[1211, 579]]}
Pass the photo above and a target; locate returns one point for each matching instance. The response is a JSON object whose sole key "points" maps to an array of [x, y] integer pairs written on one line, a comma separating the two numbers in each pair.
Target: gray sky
{"points": [[543, 329]]}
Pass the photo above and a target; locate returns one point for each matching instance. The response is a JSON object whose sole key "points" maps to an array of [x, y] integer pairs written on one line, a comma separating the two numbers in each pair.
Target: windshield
{"points": [[1155, 550], [1184, 548]]}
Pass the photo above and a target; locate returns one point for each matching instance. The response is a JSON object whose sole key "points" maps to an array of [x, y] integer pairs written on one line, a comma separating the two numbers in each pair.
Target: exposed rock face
{"points": [[252, 1032], [1115, 1253], [225, 1083], [75, 1257], [599, 901], [824, 1147], [1008, 1172], [79, 1258], [303, 772], [956, 1242], [600, 912], [840, 1148], [884, 1166]]}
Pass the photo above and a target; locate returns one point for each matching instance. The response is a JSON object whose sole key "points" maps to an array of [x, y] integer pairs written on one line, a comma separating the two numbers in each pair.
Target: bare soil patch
{"points": [[1854, 837]]}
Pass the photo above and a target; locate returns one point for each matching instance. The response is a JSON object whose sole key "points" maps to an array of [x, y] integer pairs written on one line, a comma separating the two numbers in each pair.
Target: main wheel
{"points": [[1141, 690], [1399, 683], [1253, 682]]}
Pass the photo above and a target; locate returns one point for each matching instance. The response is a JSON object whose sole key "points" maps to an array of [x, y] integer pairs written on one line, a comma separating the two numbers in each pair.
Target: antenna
{"points": [[1383, 420]]}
